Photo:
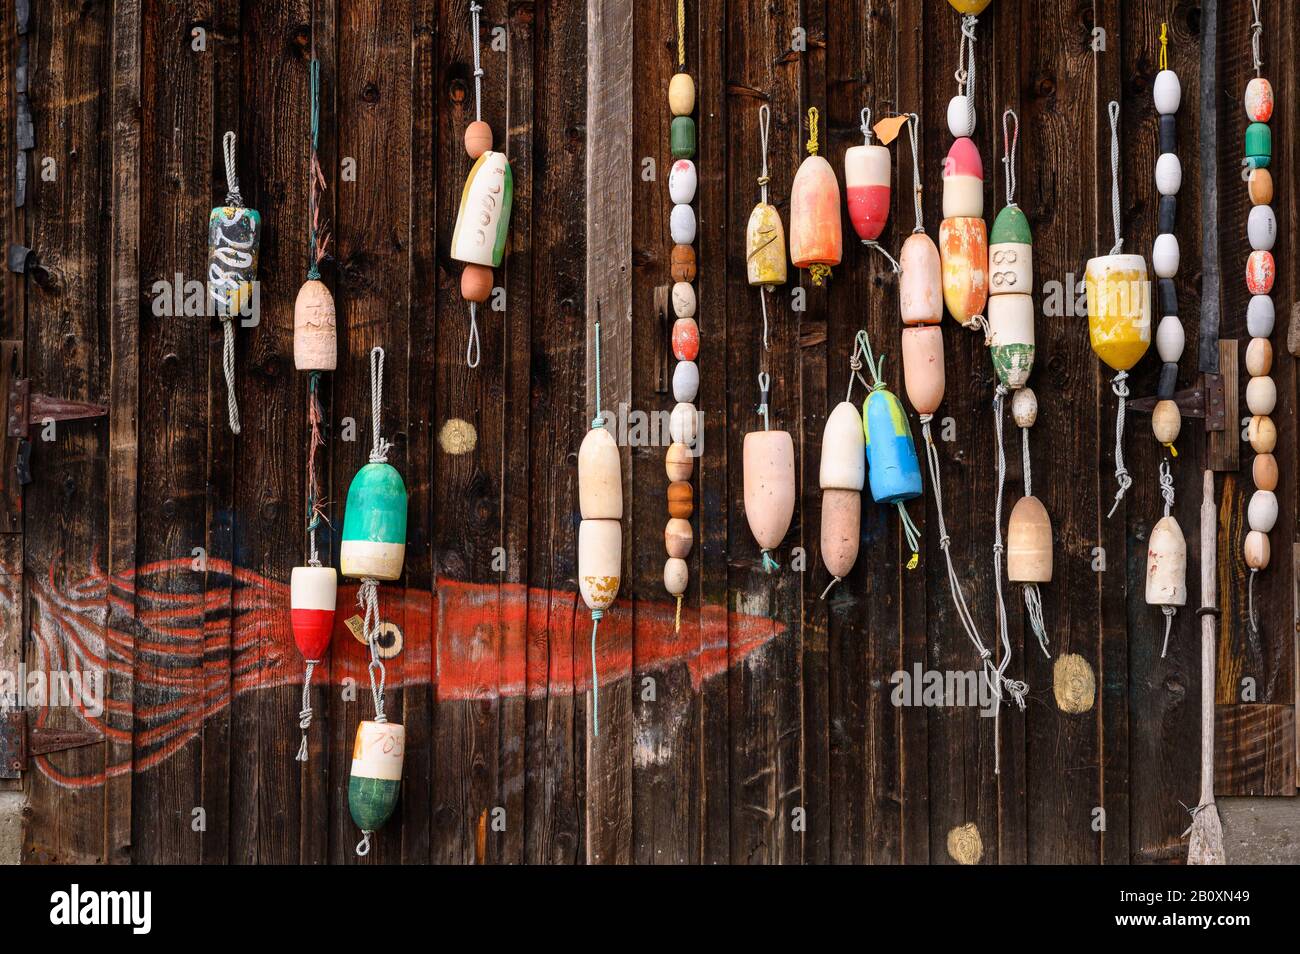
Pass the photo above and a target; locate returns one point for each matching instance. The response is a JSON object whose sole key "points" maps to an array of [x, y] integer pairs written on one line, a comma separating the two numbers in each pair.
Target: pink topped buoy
{"points": [[963, 181]]}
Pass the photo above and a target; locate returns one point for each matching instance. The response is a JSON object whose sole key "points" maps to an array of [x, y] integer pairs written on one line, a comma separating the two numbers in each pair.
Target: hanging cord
{"points": [[1257, 39], [996, 673], [1167, 492], [1033, 596], [764, 411], [318, 233], [819, 271], [916, 171], [380, 448], [681, 35], [475, 9], [764, 124], [1113, 111], [229, 149], [872, 244], [1164, 46], [1122, 478], [304, 716], [910, 532], [1011, 142], [368, 599], [965, 75], [315, 503], [1250, 603]]}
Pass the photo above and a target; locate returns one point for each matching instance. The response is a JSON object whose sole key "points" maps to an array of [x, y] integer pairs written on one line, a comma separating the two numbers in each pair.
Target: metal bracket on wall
{"points": [[1215, 400], [26, 408], [19, 741]]}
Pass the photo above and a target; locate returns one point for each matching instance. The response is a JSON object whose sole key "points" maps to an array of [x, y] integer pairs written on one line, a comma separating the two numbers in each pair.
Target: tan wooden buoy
{"points": [[1166, 583], [841, 530], [315, 345], [769, 487], [1029, 542], [920, 286], [842, 475], [600, 477]]}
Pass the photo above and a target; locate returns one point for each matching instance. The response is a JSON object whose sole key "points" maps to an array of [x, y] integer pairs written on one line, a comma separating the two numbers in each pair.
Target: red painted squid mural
{"points": [[193, 640]]}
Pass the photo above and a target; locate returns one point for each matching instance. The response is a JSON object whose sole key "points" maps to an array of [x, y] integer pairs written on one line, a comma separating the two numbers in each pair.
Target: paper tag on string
{"points": [[357, 626], [887, 129]]}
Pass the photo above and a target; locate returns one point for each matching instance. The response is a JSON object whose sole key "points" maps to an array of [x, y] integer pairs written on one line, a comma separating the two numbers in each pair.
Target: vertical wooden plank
{"points": [[372, 230], [1164, 725], [664, 754], [609, 285], [554, 768], [67, 355], [713, 114], [123, 396]]}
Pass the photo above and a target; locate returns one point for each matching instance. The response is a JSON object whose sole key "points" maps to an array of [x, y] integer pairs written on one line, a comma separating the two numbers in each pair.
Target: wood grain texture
{"points": [[773, 735]]}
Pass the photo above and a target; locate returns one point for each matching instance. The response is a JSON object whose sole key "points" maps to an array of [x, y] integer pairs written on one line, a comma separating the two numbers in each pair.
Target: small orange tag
{"points": [[357, 627], [887, 129]]}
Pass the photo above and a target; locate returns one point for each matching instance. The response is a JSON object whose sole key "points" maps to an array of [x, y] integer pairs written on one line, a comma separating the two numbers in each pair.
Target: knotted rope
{"points": [[1122, 477], [1257, 39], [764, 124], [235, 200], [304, 716], [916, 171], [1011, 141], [764, 411], [1167, 492], [965, 75], [818, 271], [1113, 111]]}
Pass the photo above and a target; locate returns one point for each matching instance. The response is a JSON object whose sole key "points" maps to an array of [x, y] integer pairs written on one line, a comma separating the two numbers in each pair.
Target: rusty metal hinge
{"points": [[19, 741]]}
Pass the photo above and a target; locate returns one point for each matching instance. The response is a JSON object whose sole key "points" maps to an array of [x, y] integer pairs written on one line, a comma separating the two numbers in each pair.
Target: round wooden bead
{"points": [[1260, 186], [1169, 173], [1261, 513], [600, 476], [679, 463], [682, 181], [1024, 407], [1262, 434], [961, 118], [841, 530], [1259, 357], [1261, 228], [1259, 100], [1261, 270], [681, 224], [683, 263], [681, 137], [1170, 339], [1257, 550], [1166, 422], [683, 424], [678, 538], [1167, 91], [686, 339], [683, 296], [1260, 316], [1264, 472], [681, 500], [1259, 145], [676, 576], [686, 381], [1261, 395], [476, 283], [681, 94], [1166, 564], [478, 138], [1165, 256]]}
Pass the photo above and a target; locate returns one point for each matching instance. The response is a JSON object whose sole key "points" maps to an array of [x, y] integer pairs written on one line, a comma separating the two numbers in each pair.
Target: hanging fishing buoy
{"points": [[1119, 310], [234, 236], [600, 534], [1011, 282], [1166, 585], [893, 469], [765, 264], [842, 475], [314, 334], [816, 235], [373, 549], [1261, 270], [483, 219], [867, 180], [769, 480]]}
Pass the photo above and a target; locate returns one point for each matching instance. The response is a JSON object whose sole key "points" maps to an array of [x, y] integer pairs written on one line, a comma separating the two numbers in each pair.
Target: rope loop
{"points": [[812, 130], [865, 117], [230, 153], [764, 126], [380, 448], [1113, 111], [1011, 142]]}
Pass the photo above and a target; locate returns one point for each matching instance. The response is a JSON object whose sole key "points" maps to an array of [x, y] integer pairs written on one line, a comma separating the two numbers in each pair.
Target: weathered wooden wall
{"points": [[769, 701]]}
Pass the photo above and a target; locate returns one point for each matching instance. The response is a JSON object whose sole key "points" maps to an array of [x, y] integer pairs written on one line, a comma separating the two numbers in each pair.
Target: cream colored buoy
{"points": [[1029, 542], [600, 477], [844, 462], [1166, 565], [924, 379], [920, 286], [315, 346], [769, 486]]}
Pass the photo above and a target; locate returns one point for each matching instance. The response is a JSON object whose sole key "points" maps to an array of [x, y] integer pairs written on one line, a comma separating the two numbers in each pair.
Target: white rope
{"points": [[1011, 139], [1256, 40], [764, 385], [472, 351], [1250, 602], [368, 600], [762, 304], [855, 363], [764, 123], [966, 65], [865, 116], [1034, 607], [304, 716], [380, 447], [1024, 460], [363, 846], [1121, 472], [228, 367], [474, 9], [1015, 687], [1169, 612], [228, 149], [1167, 486], [916, 170], [1113, 110]]}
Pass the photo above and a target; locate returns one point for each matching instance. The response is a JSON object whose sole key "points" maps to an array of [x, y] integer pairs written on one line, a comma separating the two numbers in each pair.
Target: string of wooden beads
{"points": [[683, 181], [1166, 580], [483, 219], [1261, 270]]}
